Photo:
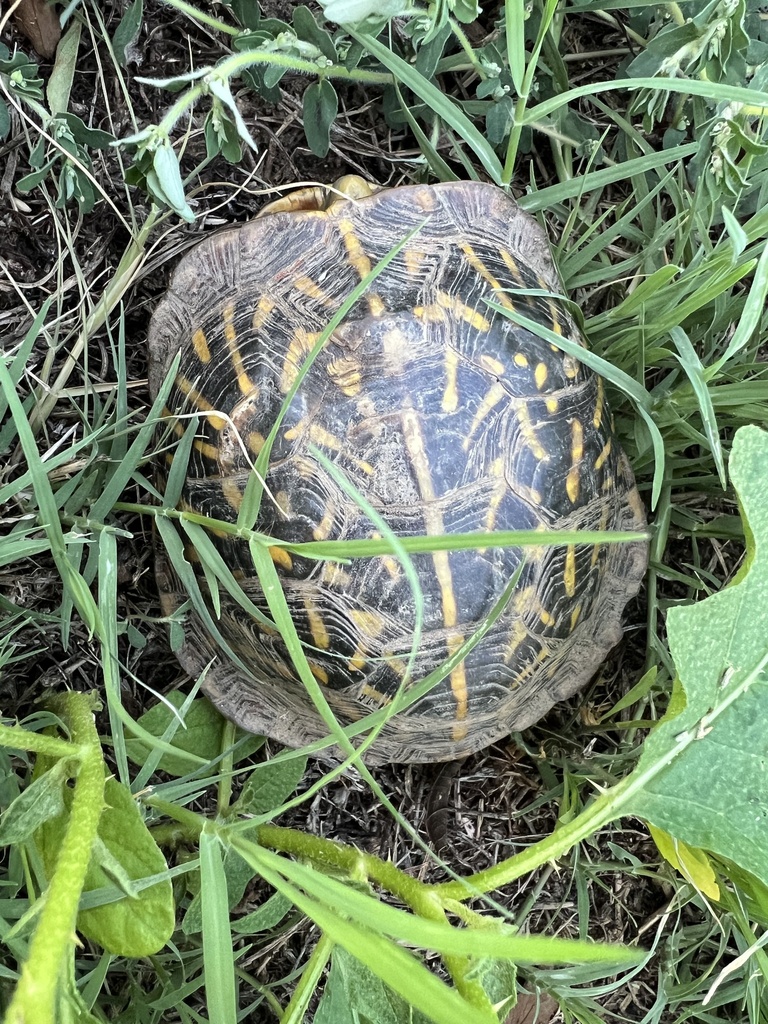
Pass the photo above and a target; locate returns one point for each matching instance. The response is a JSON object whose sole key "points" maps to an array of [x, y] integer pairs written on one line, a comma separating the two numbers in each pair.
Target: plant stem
{"points": [[34, 1001]]}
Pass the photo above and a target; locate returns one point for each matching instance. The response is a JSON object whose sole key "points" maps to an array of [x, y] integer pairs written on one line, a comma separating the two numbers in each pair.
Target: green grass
{"points": [[646, 162]]}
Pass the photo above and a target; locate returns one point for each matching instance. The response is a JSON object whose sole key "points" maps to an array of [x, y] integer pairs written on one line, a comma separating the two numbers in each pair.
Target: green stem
{"points": [[16, 738], [34, 1001], [522, 100], [308, 982], [238, 62]]}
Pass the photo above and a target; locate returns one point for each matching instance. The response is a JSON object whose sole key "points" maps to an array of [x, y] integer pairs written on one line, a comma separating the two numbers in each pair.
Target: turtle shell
{"points": [[426, 411]]}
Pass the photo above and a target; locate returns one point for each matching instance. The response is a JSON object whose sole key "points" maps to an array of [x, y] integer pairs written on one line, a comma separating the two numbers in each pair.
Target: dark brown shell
{"points": [[445, 417]]}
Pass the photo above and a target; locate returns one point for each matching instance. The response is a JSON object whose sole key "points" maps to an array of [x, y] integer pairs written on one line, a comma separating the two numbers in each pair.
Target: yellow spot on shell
{"points": [[232, 493], [552, 406], [569, 576], [571, 367], [319, 673], [414, 259], [520, 359], [261, 313], [200, 345], [540, 375], [323, 529], [494, 366], [255, 441], [316, 626], [573, 480], [281, 558]]}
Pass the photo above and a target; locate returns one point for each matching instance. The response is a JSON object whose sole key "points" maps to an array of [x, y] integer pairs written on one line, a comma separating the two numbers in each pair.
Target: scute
{"points": [[446, 416]]}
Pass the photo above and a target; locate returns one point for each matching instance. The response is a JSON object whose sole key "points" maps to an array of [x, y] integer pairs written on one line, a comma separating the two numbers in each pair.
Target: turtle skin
{"points": [[428, 410]]}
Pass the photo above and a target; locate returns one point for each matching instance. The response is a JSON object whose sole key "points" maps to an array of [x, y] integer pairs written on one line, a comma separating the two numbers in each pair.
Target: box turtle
{"points": [[437, 414]]}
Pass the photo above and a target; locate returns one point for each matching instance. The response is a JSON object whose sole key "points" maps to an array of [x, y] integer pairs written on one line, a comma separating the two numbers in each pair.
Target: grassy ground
{"points": [[629, 133]]}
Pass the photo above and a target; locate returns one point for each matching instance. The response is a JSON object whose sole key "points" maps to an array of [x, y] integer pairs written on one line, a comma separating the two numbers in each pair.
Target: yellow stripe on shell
{"points": [[200, 402], [528, 431], [492, 397], [450, 400], [200, 345], [261, 313], [323, 529], [360, 261], [605, 452], [320, 436], [434, 526], [232, 493], [569, 575], [497, 495], [309, 287], [244, 382], [445, 305], [299, 347], [346, 372], [518, 633], [512, 266], [477, 265], [597, 419], [575, 613], [414, 259], [391, 564], [210, 451]]}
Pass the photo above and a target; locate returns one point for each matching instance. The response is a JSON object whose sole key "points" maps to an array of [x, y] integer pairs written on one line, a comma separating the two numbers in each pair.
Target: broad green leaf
{"points": [[60, 83], [200, 733], [270, 784], [42, 800], [125, 852], [706, 770], [693, 865], [307, 28], [321, 104], [127, 32], [265, 917], [353, 992]]}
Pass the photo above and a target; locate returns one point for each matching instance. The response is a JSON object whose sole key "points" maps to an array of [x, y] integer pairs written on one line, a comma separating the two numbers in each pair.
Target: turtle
{"points": [[409, 361]]}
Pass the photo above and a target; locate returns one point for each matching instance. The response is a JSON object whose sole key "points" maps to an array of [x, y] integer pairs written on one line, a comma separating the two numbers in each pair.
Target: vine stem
{"points": [[35, 998]]}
